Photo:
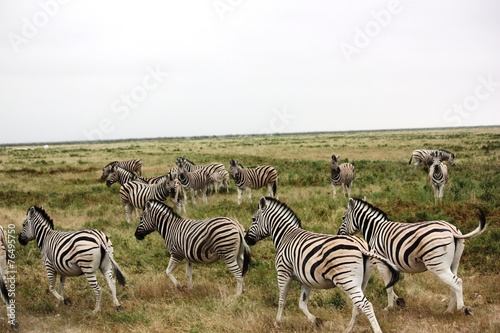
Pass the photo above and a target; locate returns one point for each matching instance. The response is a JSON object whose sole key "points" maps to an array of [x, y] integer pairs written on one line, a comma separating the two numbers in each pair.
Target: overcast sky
{"points": [[96, 70]]}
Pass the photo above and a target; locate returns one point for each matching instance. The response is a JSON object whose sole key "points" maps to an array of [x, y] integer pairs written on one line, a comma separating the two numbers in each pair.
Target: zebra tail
{"points": [[275, 187], [480, 228], [394, 270], [118, 273], [246, 256], [411, 157]]}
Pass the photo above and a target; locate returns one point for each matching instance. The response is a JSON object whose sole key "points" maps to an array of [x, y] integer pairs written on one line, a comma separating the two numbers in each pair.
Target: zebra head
{"points": [[259, 229], [148, 222], [112, 176], [235, 169], [36, 220], [335, 162], [451, 159], [349, 224], [272, 218], [107, 169]]}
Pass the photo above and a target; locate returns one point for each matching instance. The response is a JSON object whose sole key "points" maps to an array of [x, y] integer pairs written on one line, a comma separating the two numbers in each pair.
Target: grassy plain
{"points": [[64, 179]]}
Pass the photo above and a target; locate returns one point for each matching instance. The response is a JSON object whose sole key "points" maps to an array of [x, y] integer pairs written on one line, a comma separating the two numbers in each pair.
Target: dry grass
{"points": [[64, 179]]}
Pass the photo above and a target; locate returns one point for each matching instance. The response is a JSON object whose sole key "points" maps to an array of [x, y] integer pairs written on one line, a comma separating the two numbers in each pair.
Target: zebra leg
{"points": [[334, 191], [62, 279], [360, 303], [172, 264], [204, 194], [107, 271], [249, 191], [455, 284], [304, 298], [235, 265], [391, 295], [128, 210], [284, 283], [189, 274], [92, 279], [240, 192], [52, 275]]}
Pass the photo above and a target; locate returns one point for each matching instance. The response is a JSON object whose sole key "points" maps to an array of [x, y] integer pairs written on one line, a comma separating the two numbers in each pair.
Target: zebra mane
{"points": [[169, 210], [44, 215], [377, 210], [111, 164], [285, 206]]}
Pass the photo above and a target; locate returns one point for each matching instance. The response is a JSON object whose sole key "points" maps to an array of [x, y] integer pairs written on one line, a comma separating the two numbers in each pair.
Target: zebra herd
{"points": [[316, 261]]}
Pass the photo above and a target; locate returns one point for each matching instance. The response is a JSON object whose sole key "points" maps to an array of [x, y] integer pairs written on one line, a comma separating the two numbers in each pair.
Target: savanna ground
{"points": [[64, 179]]}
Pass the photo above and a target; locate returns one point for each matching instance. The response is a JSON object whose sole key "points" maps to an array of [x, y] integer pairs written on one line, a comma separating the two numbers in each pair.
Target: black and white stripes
{"points": [[316, 260], [341, 175], [72, 253], [413, 247], [197, 241], [427, 156], [253, 178]]}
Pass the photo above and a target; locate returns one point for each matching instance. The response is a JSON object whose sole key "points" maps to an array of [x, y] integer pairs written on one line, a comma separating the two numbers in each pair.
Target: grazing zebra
{"points": [[427, 157], [413, 247], [196, 180], [342, 174], [4, 292], [253, 178], [134, 166], [316, 260], [72, 253], [438, 176], [135, 194], [197, 241]]}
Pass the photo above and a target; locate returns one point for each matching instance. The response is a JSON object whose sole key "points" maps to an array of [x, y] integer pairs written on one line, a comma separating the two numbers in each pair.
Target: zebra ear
{"points": [[231, 162], [338, 157], [262, 203], [31, 211]]}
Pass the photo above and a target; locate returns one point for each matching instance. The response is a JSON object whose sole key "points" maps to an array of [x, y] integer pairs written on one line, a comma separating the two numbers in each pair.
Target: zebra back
{"points": [[134, 166]]}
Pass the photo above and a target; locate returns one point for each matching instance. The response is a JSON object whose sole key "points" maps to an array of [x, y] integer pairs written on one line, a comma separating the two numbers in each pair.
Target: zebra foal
{"points": [[72, 253], [316, 260], [254, 178], [197, 241], [413, 247], [341, 175]]}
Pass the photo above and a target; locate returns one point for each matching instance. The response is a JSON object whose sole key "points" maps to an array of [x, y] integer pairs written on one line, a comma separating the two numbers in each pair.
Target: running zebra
{"points": [[135, 194], [197, 241], [342, 174], [438, 176], [427, 157], [195, 180], [134, 166], [72, 253], [315, 260], [4, 292], [413, 247], [253, 178]]}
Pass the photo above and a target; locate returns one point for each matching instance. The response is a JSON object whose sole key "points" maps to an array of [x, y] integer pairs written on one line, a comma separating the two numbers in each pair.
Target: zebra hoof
{"points": [[401, 302], [119, 308], [318, 322], [468, 311], [67, 301], [14, 326]]}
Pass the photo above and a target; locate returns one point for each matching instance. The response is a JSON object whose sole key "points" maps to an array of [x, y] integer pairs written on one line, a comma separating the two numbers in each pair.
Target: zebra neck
{"points": [[280, 232], [41, 233]]}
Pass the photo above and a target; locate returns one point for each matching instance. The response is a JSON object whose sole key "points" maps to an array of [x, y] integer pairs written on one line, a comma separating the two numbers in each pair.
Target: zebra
{"points": [[218, 175], [196, 180], [253, 178], [413, 247], [438, 176], [135, 194], [5, 293], [197, 241], [122, 176], [342, 174], [316, 260], [426, 156], [72, 253], [134, 165]]}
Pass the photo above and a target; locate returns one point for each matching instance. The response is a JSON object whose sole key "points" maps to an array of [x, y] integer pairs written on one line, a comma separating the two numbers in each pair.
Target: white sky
{"points": [[86, 70]]}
